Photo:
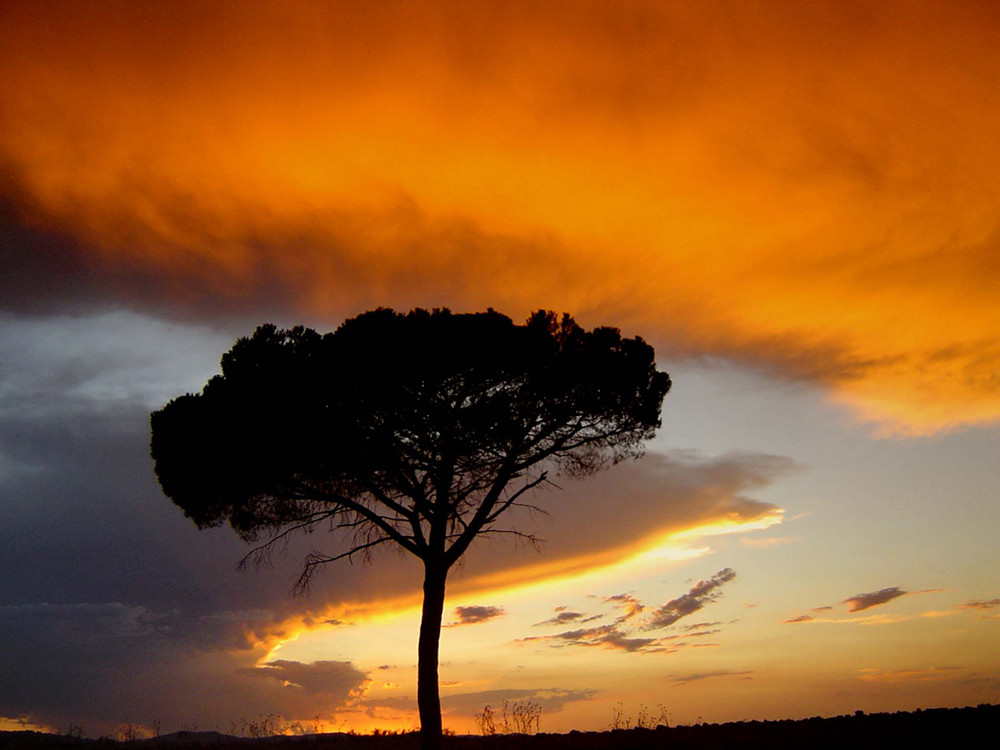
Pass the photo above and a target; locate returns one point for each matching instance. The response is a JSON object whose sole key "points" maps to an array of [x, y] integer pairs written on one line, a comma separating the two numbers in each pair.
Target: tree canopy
{"points": [[418, 429]]}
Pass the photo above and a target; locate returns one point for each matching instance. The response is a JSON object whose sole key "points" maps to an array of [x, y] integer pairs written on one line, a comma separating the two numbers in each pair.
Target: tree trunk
{"points": [[428, 697]]}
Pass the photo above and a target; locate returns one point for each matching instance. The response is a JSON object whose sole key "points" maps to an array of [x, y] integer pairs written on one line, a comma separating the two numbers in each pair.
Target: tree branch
{"points": [[314, 560]]}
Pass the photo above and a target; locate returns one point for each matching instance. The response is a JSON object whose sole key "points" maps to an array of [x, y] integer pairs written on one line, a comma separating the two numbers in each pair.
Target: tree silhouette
{"points": [[417, 429]]}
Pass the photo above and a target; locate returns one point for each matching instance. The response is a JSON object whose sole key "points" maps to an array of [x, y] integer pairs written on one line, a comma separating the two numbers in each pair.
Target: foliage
{"points": [[644, 719], [519, 717], [75, 732], [129, 732], [265, 725], [418, 430]]}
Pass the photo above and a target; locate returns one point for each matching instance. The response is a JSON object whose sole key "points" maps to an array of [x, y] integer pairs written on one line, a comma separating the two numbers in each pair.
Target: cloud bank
{"points": [[797, 212]]}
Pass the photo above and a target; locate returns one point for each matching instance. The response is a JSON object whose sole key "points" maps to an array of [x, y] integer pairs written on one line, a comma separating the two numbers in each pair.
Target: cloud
{"points": [[336, 681], [97, 660], [702, 593], [605, 636], [800, 618], [628, 604], [474, 614], [697, 625], [254, 165], [926, 674], [697, 676], [660, 494], [768, 542], [564, 616], [75, 395], [861, 602], [986, 604], [619, 635]]}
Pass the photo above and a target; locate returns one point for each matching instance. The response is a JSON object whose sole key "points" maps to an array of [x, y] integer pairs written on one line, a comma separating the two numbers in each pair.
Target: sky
{"points": [[795, 203]]}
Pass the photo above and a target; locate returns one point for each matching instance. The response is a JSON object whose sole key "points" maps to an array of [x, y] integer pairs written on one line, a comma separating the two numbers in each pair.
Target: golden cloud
{"points": [[805, 187]]}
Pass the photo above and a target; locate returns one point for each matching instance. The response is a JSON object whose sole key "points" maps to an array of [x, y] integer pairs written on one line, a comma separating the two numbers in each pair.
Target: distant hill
{"points": [[945, 727]]}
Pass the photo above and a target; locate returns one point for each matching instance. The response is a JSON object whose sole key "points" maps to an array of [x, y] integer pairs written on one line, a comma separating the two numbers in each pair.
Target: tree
{"points": [[417, 429]]}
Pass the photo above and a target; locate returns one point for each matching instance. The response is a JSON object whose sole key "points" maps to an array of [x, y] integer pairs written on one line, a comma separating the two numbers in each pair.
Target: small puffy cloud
{"points": [[800, 618], [474, 614], [338, 679], [700, 594]]}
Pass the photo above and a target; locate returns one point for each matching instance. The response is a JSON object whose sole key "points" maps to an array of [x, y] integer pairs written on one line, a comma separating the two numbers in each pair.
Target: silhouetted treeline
{"points": [[946, 727]]}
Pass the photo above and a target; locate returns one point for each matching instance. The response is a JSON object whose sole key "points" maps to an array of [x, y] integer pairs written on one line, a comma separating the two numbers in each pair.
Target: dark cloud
{"points": [[105, 663], [335, 680], [657, 494], [701, 593], [800, 618], [43, 270], [861, 602], [825, 608], [48, 269], [696, 676], [85, 521], [475, 613]]}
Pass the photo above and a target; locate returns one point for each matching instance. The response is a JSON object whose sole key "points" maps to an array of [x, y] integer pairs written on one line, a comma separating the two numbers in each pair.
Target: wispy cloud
{"points": [[564, 616], [700, 594], [628, 604], [800, 618], [621, 634], [768, 541], [696, 676], [927, 674], [984, 604], [697, 625]]}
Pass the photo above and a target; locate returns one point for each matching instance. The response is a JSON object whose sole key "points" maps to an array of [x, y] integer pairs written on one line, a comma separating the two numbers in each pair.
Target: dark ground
{"points": [[942, 727]]}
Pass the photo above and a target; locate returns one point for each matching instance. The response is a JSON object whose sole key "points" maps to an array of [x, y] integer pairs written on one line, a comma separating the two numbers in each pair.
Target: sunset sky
{"points": [[796, 203]]}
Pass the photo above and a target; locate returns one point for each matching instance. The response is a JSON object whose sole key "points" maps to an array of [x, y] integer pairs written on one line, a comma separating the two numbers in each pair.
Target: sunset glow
{"points": [[795, 203]]}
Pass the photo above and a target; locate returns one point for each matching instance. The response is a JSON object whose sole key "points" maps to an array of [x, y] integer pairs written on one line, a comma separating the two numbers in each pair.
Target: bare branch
{"points": [[314, 560]]}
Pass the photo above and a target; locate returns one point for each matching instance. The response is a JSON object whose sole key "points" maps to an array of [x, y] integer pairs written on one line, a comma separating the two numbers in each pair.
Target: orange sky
{"points": [[806, 187], [771, 192]]}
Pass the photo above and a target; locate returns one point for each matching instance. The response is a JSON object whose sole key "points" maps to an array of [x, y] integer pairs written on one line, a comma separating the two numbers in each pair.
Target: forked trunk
{"points": [[428, 697]]}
